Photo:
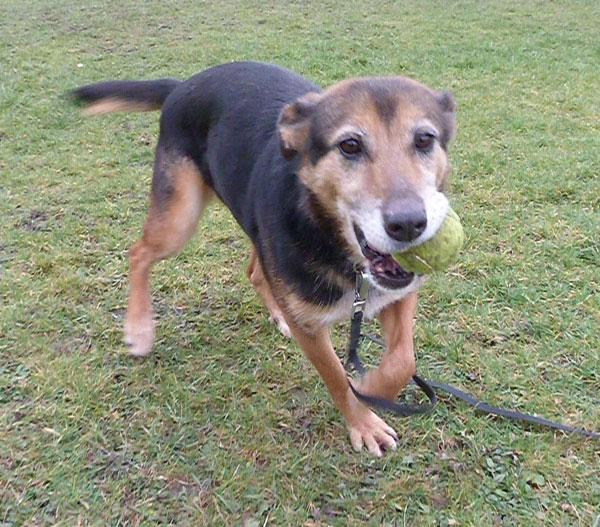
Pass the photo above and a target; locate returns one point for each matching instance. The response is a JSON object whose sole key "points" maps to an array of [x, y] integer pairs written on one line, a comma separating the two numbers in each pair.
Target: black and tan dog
{"points": [[320, 181]]}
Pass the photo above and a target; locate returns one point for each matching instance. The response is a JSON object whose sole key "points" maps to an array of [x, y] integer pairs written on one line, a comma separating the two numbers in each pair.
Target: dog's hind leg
{"points": [[179, 195], [258, 280]]}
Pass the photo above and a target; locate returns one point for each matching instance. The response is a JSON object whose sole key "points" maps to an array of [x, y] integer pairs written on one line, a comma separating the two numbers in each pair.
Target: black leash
{"points": [[428, 387], [399, 409]]}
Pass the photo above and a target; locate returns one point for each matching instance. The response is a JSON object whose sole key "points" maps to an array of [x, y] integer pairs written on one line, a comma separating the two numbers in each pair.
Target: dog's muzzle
{"points": [[382, 267]]}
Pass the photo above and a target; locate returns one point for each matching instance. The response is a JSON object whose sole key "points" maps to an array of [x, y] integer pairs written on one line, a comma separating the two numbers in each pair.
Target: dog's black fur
{"points": [[209, 120]]}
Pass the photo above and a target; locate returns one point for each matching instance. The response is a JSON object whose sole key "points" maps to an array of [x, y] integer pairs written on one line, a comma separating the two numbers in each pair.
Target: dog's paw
{"points": [[139, 336], [281, 324], [368, 429]]}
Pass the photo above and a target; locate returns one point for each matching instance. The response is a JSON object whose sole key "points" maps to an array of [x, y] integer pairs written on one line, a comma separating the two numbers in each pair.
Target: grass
{"points": [[226, 423]]}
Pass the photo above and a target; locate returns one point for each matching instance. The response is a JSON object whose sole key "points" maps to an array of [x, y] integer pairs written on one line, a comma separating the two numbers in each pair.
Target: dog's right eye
{"points": [[350, 147]]}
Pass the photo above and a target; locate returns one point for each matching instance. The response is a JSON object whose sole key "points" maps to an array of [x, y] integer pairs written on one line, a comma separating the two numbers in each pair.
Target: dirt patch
{"points": [[36, 220]]}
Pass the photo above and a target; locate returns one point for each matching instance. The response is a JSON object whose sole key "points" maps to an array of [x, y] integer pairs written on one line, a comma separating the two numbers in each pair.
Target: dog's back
{"points": [[225, 119], [233, 108]]}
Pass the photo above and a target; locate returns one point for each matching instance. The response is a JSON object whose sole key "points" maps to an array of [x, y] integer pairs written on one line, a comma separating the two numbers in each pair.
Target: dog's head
{"points": [[374, 155]]}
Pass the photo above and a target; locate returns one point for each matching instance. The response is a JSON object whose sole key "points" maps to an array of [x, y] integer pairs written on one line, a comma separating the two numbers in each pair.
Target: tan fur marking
{"points": [[303, 312], [166, 231], [398, 364], [113, 104], [307, 315], [292, 127], [443, 174], [258, 280]]}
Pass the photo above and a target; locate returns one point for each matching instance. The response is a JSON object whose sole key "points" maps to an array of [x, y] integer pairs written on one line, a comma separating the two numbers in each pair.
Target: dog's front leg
{"points": [[364, 426], [398, 364]]}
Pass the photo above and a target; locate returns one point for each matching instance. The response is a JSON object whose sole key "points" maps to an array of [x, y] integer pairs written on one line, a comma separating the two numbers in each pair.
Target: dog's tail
{"points": [[123, 96]]}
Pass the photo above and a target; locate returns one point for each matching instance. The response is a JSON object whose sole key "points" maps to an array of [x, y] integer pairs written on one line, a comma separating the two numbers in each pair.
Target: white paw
{"points": [[367, 428], [375, 434], [139, 336], [280, 322]]}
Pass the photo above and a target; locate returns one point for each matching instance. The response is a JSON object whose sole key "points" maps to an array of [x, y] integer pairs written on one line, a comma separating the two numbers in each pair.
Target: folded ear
{"points": [[446, 101], [293, 126], [448, 107]]}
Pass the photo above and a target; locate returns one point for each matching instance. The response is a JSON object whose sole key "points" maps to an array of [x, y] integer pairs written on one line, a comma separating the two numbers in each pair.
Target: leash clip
{"points": [[361, 290]]}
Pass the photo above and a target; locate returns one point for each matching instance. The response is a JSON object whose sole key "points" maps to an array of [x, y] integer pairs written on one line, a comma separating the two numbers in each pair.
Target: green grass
{"points": [[227, 423]]}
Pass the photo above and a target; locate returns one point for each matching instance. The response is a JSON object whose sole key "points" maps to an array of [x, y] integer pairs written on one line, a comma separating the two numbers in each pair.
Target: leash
{"points": [[427, 386]]}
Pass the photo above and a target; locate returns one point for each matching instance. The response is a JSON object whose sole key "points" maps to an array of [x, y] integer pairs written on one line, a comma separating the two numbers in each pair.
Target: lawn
{"points": [[226, 423]]}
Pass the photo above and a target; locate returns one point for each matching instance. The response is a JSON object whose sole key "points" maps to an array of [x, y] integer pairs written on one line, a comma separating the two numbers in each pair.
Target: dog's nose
{"points": [[405, 219]]}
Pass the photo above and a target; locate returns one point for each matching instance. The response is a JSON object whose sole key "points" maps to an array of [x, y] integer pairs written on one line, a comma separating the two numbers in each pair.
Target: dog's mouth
{"points": [[383, 267]]}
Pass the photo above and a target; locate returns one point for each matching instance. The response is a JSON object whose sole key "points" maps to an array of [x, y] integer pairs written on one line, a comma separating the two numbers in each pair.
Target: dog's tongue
{"points": [[385, 264]]}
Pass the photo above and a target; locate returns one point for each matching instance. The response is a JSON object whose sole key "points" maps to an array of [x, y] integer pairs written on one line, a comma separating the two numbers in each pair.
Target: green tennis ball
{"points": [[439, 252]]}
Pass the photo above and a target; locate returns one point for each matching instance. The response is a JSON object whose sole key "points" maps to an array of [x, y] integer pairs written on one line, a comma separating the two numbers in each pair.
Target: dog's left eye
{"points": [[424, 141], [350, 147]]}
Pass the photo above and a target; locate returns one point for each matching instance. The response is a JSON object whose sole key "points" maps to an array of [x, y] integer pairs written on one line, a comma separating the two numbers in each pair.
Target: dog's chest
{"points": [[377, 299]]}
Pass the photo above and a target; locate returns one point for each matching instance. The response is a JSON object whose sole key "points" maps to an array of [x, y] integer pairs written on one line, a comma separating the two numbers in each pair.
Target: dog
{"points": [[323, 182]]}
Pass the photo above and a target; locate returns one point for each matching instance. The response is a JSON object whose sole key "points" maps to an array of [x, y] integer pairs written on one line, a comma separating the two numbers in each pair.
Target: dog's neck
{"points": [[319, 235]]}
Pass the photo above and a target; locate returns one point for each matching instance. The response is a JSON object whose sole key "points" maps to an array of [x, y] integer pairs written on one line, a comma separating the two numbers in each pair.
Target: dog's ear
{"points": [[293, 126], [448, 107]]}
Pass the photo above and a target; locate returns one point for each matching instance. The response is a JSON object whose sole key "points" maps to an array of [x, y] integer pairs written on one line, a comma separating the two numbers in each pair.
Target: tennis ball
{"points": [[437, 253]]}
